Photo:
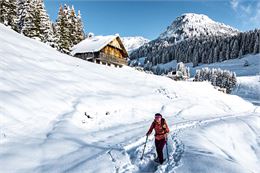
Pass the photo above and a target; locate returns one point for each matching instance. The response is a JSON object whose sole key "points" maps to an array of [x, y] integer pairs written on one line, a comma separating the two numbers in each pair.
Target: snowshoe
{"points": [[158, 162]]}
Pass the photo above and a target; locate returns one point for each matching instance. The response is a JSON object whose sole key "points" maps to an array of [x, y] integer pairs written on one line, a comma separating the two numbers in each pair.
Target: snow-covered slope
{"points": [[132, 43], [228, 145], [46, 95], [191, 25], [248, 87], [235, 65]]}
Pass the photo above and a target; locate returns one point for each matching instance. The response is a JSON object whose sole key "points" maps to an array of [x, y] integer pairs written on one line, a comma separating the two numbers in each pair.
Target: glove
{"points": [[166, 136]]}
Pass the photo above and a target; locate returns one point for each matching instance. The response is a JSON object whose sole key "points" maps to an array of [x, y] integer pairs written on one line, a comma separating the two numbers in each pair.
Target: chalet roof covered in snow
{"points": [[93, 44]]}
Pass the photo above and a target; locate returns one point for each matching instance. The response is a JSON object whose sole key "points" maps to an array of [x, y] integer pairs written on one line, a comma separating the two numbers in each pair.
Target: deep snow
{"points": [[45, 95], [248, 88], [228, 145]]}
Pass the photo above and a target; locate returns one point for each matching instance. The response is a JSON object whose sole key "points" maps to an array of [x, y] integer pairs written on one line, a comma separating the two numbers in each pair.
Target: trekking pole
{"points": [[144, 147], [167, 148]]}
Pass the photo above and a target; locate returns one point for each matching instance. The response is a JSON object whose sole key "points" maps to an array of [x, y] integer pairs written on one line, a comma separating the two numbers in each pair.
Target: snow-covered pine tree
{"points": [[195, 58], [240, 55], [210, 57], [214, 77], [80, 29], [203, 75], [197, 76], [217, 77], [66, 10], [37, 19], [252, 41], [188, 71], [227, 56], [55, 38], [34, 22], [22, 10], [45, 25], [216, 54], [180, 67], [235, 50], [258, 33], [221, 55], [182, 72], [62, 32], [3, 11], [31, 21], [257, 44], [73, 27], [158, 70], [247, 42], [233, 80], [68, 25], [8, 13]]}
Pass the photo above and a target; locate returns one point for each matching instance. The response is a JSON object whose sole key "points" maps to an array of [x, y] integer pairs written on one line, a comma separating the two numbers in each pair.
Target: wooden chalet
{"points": [[107, 50]]}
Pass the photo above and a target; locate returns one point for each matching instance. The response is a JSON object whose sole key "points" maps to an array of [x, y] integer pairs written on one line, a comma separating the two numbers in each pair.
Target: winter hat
{"points": [[158, 115]]}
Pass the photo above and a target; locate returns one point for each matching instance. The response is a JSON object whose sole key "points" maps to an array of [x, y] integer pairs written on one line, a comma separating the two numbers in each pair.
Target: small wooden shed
{"points": [[107, 50]]}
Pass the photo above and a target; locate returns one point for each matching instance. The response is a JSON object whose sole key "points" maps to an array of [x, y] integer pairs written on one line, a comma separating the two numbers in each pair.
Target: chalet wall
{"points": [[112, 51]]}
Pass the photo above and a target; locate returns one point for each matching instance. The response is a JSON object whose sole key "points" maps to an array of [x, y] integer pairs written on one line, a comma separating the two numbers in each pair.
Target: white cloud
{"points": [[247, 11], [246, 8], [234, 4], [256, 18]]}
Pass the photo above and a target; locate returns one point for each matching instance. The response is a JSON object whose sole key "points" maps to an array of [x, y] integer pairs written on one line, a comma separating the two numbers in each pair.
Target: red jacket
{"points": [[160, 132]]}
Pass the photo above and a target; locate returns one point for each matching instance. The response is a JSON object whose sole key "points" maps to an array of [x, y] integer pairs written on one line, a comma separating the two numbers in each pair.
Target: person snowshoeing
{"points": [[161, 130]]}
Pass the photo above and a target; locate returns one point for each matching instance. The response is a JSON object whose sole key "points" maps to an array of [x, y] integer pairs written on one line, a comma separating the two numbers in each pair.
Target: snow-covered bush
{"points": [[217, 77], [182, 72]]}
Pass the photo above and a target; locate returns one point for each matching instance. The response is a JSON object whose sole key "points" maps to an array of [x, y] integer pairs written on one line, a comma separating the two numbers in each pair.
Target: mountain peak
{"points": [[132, 43], [190, 25]]}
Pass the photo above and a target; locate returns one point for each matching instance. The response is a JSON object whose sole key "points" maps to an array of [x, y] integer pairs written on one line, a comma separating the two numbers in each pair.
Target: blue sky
{"points": [[150, 18]]}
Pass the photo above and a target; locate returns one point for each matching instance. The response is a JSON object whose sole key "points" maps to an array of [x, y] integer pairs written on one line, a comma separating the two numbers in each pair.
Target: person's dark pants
{"points": [[159, 144]]}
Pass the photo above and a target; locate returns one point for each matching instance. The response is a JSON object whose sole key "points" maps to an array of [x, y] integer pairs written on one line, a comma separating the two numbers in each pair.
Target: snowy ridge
{"points": [[132, 43], [47, 95], [192, 25]]}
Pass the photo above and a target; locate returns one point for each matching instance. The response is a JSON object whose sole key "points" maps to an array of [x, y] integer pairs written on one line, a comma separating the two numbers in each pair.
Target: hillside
{"points": [[234, 65], [47, 94], [197, 39]]}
